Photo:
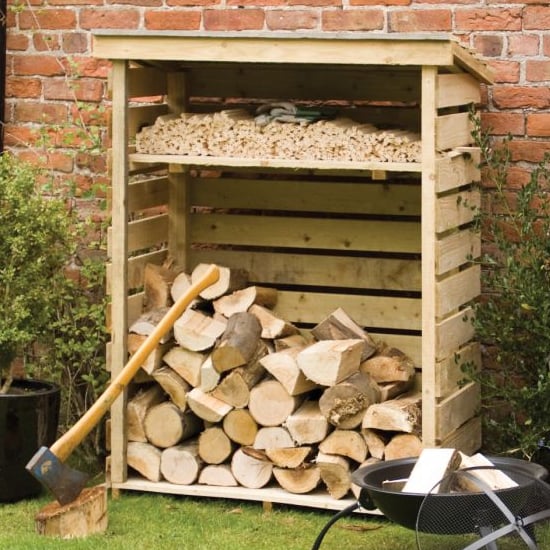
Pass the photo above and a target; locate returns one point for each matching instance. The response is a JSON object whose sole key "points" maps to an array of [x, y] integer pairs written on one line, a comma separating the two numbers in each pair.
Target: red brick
{"points": [[523, 44], [90, 66], [546, 45], [71, 3], [353, 20], [289, 20], [45, 42], [174, 20], [489, 45], [518, 97], [319, 3], [255, 3], [101, 18], [529, 150], [536, 18], [23, 87], [233, 20], [420, 20], [192, 3], [82, 89], [146, 3], [45, 65], [496, 19], [75, 42], [40, 112], [538, 124], [505, 71], [17, 41], [380, 2], [47, 19], [92, 115], [15, 135], [501, 124], [537, 71]]}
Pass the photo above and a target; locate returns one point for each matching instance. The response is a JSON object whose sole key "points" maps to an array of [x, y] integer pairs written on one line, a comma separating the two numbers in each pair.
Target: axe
{"points": [[47, 465]]}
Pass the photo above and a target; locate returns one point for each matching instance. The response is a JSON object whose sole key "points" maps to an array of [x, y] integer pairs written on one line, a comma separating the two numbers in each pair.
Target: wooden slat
{"points": [[456, 170], [146, 82], [457, 290], [315, 270], [147, 232], [457, 409], [456, 249], [467, 438], [374, 311], [457, 89], [453, 333], [456, 209], [309, 233], [147, 193], [453, 131], [144, 115], [389, 198], [449, 371]]}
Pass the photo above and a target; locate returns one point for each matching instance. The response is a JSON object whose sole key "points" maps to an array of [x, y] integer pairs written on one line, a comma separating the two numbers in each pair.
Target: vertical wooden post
{"points": [[428, 114], [119, 261]]}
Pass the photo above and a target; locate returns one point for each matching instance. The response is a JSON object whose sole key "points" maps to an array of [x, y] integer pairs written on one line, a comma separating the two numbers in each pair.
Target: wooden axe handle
{"points": [[66, 444]]}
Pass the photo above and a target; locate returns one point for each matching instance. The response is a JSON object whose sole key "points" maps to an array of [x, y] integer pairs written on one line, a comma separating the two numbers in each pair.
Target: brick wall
{"points": [[52, 81]]}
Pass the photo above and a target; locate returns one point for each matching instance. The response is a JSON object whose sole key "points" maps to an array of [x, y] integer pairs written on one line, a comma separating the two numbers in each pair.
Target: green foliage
{"points": [[36, 241], [513, 319]]}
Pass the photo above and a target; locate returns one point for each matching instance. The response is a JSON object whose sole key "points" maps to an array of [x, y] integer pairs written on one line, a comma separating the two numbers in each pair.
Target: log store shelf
{"points": [[391, 243]]}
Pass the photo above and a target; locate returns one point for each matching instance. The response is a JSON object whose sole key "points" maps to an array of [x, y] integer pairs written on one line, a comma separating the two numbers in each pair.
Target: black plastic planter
{"points": [[28, 420]]}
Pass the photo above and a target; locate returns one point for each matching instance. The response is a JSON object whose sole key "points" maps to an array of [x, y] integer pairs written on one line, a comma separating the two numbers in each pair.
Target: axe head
{"points": [[61, 480]]}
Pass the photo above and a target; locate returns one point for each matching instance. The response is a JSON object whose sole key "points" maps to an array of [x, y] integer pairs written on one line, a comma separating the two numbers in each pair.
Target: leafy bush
{"points": [[512, 320]]}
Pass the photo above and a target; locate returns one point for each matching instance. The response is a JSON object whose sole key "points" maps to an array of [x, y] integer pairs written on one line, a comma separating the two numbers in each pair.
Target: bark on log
{"points": [[240, 427], [307, 425], [272, 326], [157, 281], [331, 361], [145, 459], [270, 404], [403, 446], [241, 300], [298, 480], [181, 464], [391, 365], [166, 425], [186, 363], [196, 331], [206, 406], [340, 326], [376, 441], [300, 340], [137, 409], [217, 476], [229, 281], [215, 446], [347, 443], [397, 415], [147, 322], [174, 385], [249, 471], [335, 473], [154, 359], [344, 404]]}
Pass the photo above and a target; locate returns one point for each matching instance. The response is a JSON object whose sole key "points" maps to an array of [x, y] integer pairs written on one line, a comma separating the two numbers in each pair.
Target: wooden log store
{"points": [[368, 209]]}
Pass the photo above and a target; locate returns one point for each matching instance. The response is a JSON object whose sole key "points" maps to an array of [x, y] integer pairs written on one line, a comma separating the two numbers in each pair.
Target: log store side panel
{"points": [[390, 242]]}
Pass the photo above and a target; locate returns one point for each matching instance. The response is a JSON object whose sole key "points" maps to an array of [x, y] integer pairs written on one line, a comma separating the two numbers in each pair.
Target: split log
{"points": [[196, 331], [180, 286], [157, 281], [217, 475], [347, 443], [398, 415], [391, 365], [430, 471], [147, 322], [272, 326], [238, 343], [307, 425], [186, 363], [403, 446], [145, 459], [137, 409], [206, 406], [249, 471], [330, 361], [84, 516], [484, 471], [181, 464], [288, 457], [273, 437], [391, 390], [340, 326], [344, 404], [240, 427], [300, 340], [298, 480], [229, 281], [215, 446], [174, 385], [376, 441], [154, 359], [166, 425], [270, 404], [209, 376], [283, 367], [241, 300], [335, 473]]}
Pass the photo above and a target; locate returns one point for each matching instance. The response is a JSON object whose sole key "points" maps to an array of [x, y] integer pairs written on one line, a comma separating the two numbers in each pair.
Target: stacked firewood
{"points": [[235, 395], [234, 133]]}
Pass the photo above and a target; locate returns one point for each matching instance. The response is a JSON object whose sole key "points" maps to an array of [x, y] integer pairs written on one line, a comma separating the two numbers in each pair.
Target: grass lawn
{"points": [[143, 521]]}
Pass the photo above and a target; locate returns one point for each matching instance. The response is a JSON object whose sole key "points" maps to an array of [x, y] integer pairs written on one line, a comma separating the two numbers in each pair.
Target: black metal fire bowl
{"points": [[403, 507]]}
